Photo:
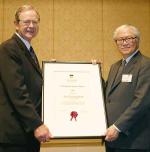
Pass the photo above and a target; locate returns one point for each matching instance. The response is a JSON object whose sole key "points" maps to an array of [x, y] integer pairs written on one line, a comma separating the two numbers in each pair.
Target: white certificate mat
{"points": [[73, 104]]}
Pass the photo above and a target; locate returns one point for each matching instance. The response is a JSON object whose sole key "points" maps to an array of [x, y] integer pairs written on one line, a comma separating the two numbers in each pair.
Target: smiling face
{"points": [[27, 25], [126, 41]]}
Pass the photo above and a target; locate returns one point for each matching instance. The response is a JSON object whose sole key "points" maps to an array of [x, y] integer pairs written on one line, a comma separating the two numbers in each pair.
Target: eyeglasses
{"points": [[127, 40], [28, 22]]}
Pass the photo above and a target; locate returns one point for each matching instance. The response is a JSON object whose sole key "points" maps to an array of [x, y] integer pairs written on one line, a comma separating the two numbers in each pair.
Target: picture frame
{"points": [[73, 102]]}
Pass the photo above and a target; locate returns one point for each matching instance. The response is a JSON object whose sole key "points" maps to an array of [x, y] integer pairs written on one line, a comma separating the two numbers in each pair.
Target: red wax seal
{"points": [[73, 115]]}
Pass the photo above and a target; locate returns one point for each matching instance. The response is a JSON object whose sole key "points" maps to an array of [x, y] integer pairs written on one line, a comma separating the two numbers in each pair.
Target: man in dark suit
{"points": [[21, 128], [128, 96]]}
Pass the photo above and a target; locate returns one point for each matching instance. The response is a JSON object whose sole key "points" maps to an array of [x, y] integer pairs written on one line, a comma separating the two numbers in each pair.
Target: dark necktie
{"points": [[120, 71], [33, 55]]}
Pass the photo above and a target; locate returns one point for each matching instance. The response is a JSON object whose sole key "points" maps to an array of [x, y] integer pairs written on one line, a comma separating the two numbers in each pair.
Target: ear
{"points": [[16, 25]]}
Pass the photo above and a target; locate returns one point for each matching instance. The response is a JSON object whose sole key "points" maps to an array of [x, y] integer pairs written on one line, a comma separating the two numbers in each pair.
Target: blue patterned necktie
{"points": [[33, 55]]}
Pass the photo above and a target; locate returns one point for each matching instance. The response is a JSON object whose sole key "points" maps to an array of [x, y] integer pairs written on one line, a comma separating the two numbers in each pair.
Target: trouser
{"points": [[32, 145], [108, 149], [13, 148]]}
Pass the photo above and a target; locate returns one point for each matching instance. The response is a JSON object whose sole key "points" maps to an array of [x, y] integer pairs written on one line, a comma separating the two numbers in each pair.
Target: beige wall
{"points": [[73, 148], [80, 30], [73, 145]]}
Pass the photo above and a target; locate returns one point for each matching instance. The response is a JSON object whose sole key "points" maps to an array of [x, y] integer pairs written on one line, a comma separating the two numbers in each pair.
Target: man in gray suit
{"points": [[21, 127], [128, 96]]}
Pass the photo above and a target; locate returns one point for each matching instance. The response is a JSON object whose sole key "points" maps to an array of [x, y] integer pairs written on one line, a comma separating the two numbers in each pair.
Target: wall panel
{"points": [[9, 12], [77, 30], [1, 20], [74, 148]]}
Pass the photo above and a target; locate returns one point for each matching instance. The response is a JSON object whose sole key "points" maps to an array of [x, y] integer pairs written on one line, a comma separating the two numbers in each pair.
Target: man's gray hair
{"points": [[132, 28]]}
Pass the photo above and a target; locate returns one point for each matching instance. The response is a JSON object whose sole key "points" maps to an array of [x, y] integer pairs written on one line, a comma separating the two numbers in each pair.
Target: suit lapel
{"points": [[117, 80], [36, 66], [27, 53], [112, 77], [129, 67]]}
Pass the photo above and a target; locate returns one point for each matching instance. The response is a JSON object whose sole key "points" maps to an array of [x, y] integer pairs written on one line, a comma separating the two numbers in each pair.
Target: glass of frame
{"points": [[73, 103]]}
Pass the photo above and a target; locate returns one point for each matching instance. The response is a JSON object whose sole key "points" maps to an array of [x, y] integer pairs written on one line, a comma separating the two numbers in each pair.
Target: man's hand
{"points": [[42, 133], [94, 61], [111, 134]]}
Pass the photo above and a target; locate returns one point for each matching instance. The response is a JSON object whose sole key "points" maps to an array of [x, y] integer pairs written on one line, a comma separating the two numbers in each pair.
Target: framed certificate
{"points": [[73, 104]]}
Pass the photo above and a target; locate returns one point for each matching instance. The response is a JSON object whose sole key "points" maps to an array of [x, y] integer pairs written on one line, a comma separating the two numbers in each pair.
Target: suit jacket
{"points": [[128, 104], [20, 92]]}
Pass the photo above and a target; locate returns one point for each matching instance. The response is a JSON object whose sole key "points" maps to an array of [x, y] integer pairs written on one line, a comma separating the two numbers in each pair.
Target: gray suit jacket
{"points": [[20, 92], [128, 104]]}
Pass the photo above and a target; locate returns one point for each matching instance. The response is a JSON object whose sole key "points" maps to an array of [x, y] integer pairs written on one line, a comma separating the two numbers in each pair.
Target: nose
{"points": [[31, 24], [125, 41]]}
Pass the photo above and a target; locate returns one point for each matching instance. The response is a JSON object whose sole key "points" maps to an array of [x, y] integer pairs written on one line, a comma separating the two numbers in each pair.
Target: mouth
{"points": [[125, 47], [30, 31]]}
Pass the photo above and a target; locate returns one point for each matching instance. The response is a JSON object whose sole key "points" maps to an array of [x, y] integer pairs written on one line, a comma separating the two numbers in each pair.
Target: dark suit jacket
{"points": [[20, 92], [128, 104]]}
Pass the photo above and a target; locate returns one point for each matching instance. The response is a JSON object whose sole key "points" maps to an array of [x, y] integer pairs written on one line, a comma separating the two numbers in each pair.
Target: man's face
{"points": [[127, 42], [27, 26]]}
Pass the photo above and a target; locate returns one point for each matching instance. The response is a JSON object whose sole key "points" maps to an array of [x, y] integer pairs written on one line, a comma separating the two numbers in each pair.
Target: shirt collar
{"points": [[130, 57], [27, 44]]}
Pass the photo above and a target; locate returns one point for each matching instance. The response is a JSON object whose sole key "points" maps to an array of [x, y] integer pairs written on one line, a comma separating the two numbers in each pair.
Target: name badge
{"points": [[126, 78]]}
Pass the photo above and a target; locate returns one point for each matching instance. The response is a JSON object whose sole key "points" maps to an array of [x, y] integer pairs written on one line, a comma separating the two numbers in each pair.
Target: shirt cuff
{"points": [[116, 128]]}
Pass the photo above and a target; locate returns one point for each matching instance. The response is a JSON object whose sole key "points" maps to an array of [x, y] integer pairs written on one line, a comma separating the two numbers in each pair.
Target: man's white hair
{"points": [[132, 28]]}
